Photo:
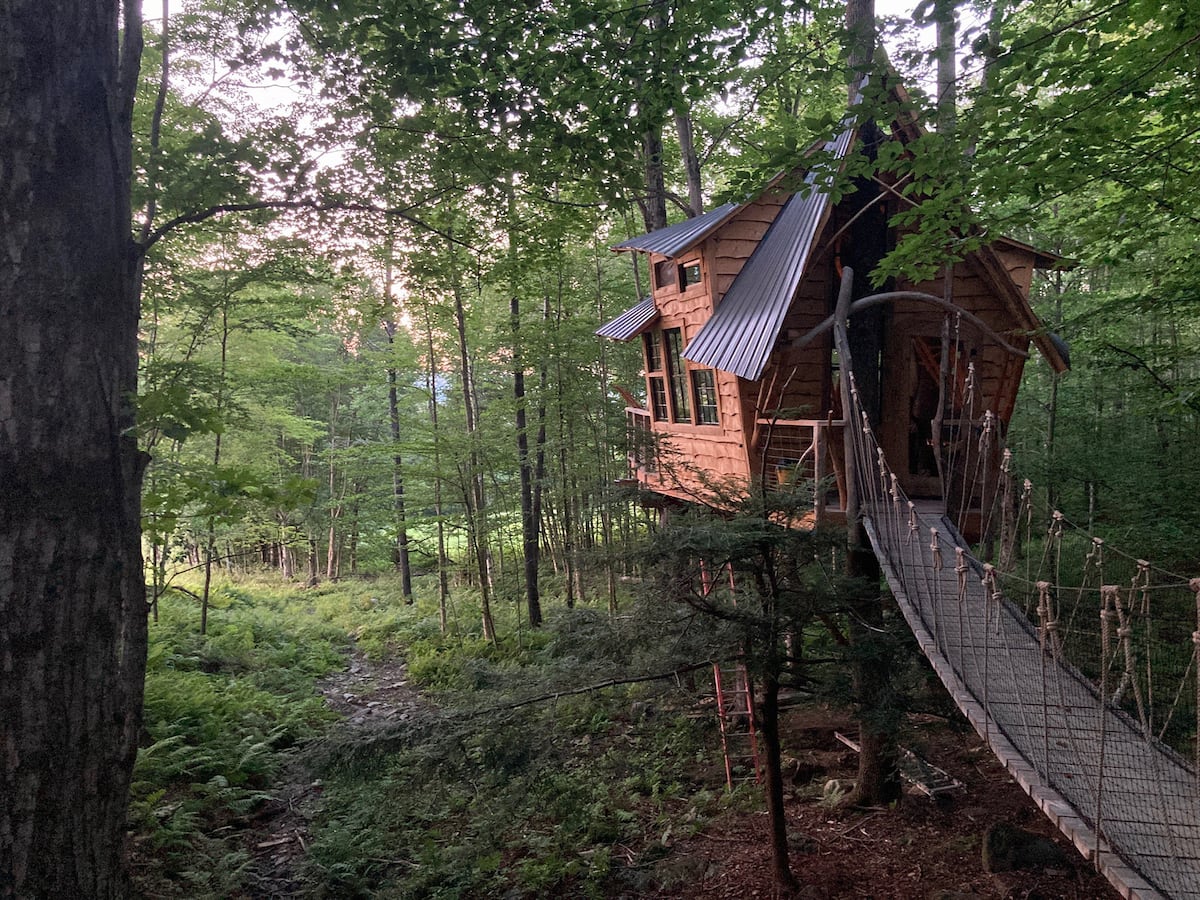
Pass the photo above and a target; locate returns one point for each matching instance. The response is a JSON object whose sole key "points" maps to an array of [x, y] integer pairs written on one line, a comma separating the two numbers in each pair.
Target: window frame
{"points": [[681, 277], [656, 387], [679, 384], [712, 409]]}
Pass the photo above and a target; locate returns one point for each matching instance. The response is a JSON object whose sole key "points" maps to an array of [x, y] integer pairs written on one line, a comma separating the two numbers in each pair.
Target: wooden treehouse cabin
{"points": [[742, 383]]}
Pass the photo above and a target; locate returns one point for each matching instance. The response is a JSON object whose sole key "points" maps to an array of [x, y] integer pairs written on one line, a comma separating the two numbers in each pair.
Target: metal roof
{"points": [[675, 239], [630, 322], [741, 334]]}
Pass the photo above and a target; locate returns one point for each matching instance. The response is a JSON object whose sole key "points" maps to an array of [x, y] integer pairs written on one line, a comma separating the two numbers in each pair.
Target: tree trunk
{"points": [[691, 162], [402, 558], [860, 31], [475, 497], [878, 777], [654, 203], [530, 526], [72, 594], [431, 376], [947, 66], [785, 882]]}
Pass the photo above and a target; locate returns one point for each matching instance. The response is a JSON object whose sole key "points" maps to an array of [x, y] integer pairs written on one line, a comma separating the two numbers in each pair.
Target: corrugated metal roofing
{"points": [[675, 239], [741, 334], [630, 322]]}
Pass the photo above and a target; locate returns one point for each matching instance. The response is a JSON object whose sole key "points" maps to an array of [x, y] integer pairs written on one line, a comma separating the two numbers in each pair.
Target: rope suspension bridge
{"points": [[1076, 663]]}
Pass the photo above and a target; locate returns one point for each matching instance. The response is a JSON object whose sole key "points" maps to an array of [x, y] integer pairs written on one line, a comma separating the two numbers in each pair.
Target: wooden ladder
{"points": [[735, 712]]}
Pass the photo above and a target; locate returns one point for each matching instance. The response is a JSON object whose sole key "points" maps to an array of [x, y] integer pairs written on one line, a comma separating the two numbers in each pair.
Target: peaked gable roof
{"points": [[741, 333]]}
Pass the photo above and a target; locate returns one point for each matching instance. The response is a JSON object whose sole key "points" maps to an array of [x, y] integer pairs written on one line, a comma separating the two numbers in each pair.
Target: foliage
{"points": [[482, 799], [220, 710]]}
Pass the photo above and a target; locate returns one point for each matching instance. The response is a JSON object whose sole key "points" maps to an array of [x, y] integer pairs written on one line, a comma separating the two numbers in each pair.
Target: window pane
{"points": [[705, 388], [688, 275], [680, 399], [658, 398], [664, 274], [653, 343]]}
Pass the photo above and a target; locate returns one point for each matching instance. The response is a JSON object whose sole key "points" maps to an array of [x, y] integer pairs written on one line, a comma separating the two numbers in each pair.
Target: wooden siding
{"points": [[1019, 263], [735, 241]]}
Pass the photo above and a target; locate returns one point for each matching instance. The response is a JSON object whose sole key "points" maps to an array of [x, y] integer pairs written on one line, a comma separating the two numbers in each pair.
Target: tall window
{"points": [[655, 376], [704, 388], [677, 374]]}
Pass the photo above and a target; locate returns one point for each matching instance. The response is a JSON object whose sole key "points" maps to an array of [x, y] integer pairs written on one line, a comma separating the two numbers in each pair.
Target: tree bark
{"points": [[72, 595], [402, 558], [530, 525], [654, 203], [691, 161], [860, 34], [947, 67], [474, 494], [785, 881]]}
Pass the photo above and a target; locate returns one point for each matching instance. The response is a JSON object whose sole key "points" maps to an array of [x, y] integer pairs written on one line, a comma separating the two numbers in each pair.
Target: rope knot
{"points": [[1125, 632]]}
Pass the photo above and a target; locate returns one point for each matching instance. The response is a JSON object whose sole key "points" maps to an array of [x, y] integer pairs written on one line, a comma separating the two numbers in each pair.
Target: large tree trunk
{"points": [[72, 596], [691, 161], [654, 203]]}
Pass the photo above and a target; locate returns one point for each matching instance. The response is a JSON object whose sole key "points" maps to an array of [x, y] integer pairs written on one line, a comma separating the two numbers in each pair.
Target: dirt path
{"points": [[369, 695]]}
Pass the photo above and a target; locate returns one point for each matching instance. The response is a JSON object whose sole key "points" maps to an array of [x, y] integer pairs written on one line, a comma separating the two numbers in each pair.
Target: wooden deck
{"points": [[1128, 803]]}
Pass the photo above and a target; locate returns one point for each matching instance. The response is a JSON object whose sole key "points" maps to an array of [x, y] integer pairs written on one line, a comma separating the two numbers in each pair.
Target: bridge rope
{"points": [[1092, 719]]}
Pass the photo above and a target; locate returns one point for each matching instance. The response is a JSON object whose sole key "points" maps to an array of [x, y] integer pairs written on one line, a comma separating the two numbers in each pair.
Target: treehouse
{"points": [[741, 374]]}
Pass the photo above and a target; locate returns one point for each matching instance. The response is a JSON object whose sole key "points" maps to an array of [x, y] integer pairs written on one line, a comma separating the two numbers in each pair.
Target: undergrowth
{"points": [[575, 793], [474, 796]]}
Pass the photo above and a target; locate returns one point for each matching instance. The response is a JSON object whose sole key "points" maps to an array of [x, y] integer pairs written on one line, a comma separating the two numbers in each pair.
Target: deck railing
{"points": [[643, 453], [793, 452]]}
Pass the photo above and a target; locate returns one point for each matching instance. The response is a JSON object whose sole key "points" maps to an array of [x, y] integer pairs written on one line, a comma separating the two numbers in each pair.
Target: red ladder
{"points": [[735, 711]]}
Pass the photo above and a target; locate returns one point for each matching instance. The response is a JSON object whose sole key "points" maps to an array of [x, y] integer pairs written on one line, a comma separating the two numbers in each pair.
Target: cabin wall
{"points": [[733, 243], [997, 371], [692, 456], [1019, 265]]}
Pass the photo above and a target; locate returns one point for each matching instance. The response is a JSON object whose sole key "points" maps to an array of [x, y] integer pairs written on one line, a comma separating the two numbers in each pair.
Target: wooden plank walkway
{"points": [[1128, 803]]}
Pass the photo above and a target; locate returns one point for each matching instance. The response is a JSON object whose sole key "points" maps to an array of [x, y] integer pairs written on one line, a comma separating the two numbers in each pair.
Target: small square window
{"points": [[689, 274]]}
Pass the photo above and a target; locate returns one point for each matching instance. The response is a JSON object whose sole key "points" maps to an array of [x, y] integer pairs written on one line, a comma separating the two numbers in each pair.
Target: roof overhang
{"points": [[677, 239], [631, 322]]}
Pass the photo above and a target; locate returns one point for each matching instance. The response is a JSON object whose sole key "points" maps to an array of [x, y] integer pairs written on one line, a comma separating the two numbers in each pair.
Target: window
{"points": [[689, 274], [664, 274], [655, 377], [704, 389], [680, 396]]}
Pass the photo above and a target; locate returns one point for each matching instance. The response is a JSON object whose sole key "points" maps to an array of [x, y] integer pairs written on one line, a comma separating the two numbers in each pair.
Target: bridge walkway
{"points": [[1128, 802]]}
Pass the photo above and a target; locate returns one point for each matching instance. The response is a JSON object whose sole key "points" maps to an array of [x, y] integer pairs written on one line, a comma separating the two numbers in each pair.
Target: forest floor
{"points": [[369, 695], [922, 849]]}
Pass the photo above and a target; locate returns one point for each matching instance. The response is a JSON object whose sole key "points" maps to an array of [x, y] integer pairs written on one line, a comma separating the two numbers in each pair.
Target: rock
{"points": [[1006, 847]]}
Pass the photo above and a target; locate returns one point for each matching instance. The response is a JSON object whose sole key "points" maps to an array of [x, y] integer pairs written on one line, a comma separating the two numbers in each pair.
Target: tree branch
{"points": [[196, 216], [612, 682], [1136, 362]]}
